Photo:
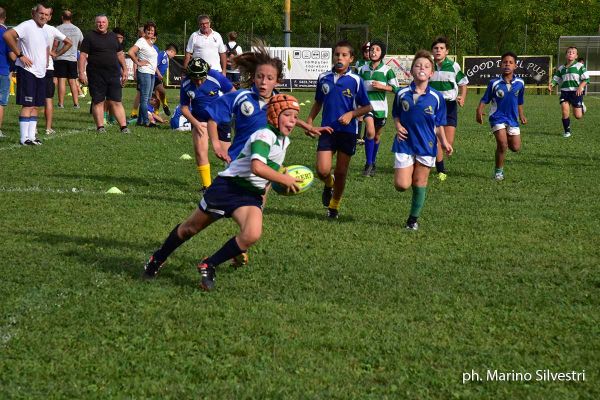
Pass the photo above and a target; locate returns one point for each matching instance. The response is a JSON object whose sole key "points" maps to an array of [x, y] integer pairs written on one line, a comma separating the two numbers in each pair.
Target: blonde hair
{"points": [[421, 54]]}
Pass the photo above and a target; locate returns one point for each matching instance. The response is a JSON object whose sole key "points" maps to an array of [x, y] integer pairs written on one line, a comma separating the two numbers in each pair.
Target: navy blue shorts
{"points": [[338, 141], [378, 122], [451, 113], [104, 85], [223, 197], [571, 97], [31, 90], [50, 83], [65, 69]]}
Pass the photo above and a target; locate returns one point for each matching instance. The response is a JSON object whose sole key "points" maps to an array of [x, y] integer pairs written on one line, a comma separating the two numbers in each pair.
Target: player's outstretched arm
{"points": [[261, 169]]}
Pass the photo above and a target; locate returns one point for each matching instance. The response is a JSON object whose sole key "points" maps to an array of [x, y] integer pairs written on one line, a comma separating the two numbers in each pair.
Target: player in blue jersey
{"points": [[506, 95], [162, 67], [247, 106], [343, 97], [178, 122], [201, 88], [237, 193], [419, 113]]}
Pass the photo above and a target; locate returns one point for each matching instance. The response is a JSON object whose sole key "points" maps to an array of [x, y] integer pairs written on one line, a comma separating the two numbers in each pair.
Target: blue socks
{"points": [[227, 252], [171, 244], [369, 145], [566, 124], [371, 149]]}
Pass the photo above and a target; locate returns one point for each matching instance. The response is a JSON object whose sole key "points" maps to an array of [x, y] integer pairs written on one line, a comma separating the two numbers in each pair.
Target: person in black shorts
{"points": [[101, 55]]}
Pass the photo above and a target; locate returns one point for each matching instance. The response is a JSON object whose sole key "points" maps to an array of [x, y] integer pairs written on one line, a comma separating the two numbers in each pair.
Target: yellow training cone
{"points": [[185, 157], [302, 104], [114, 190], [307, 101]]}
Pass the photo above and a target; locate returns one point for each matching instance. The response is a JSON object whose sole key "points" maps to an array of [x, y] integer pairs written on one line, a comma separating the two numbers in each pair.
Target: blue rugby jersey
{"points": [[420, 120], [248, 110], [199, 97], [505, 99], [163, 62], [338, 97]]}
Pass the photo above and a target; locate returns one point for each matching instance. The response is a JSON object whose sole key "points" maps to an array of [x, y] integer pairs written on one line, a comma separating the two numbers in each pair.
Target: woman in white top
{"points": [[144, 55]]}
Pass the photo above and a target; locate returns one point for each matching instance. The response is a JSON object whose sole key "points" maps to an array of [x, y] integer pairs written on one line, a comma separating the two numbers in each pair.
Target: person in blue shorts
{"points": [[419, 113], [163, 66], [237, 193], [506, 95], [342, 95], [202, 87], [4, 69]]}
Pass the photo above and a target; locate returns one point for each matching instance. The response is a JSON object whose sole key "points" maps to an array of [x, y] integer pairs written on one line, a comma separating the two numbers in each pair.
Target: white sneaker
{"points": [[2, 134], [567, 134], [50, 131], [499, 176]]}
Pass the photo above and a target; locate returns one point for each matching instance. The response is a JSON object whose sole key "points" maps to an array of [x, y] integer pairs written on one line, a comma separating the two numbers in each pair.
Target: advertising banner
{"points": [[534, 70], [302, 65]]}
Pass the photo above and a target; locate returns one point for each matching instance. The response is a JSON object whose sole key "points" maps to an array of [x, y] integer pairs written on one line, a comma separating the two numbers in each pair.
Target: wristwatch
{"points": [[20, 55]]}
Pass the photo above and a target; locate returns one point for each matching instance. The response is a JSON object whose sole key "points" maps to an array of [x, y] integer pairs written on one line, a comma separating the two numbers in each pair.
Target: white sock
{"points": [[24, 128], [32, 128]]}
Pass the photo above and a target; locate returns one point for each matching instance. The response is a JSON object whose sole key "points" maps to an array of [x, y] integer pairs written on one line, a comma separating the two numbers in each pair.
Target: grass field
{"points": [[500, 276]]}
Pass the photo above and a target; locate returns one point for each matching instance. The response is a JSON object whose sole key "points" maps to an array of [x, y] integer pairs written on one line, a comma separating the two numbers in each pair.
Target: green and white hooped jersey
{"points": [[570, 77], [446, 79], [384, 74], [359, 64], [268, 146]]}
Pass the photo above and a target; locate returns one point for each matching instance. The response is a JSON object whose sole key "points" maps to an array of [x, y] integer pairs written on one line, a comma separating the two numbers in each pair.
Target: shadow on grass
{"points": [[87, 253], [128, 180], [308, 215]]}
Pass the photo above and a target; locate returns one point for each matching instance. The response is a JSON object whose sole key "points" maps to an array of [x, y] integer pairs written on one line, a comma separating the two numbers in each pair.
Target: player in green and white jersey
{"points": [[379, 80], [238, 193], [364, 49], [452, 83], [572, 78]]}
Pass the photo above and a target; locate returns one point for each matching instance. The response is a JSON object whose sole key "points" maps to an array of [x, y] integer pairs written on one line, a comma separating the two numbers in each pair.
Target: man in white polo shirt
{"points": [[208, 45], [28, 41]]}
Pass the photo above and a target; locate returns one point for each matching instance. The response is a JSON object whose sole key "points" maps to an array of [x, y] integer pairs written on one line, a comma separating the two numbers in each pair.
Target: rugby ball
{"points": [[298, 172]]}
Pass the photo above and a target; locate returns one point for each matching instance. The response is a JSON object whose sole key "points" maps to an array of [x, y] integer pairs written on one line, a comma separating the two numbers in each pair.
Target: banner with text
{"points": [[302, 65], [534, 70]]}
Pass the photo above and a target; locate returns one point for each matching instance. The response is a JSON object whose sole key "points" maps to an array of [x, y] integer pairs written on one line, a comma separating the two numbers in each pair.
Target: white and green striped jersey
{"points": [[384, 74], [569, 77], [268, 146], [446, 79], [359, 64]]}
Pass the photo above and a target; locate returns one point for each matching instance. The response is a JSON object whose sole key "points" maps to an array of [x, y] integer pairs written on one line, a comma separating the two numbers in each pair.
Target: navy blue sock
{"points": [[171, 244], [227, 252], [566, 124], [439, 166], [375, 150], [369, 144]]}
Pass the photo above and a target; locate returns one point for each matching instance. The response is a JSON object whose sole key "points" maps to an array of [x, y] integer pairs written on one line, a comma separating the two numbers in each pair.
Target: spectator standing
{"points": [[28, 41], [145, 57], [233, 50], [208, 45], [65, 65], [4, 69], [99, 60], [53, 37]]}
